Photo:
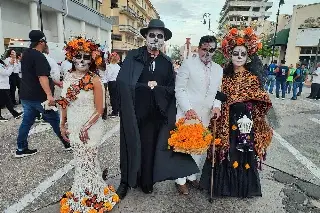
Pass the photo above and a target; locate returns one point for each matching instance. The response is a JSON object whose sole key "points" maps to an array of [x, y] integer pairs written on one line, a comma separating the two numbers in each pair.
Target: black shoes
{"points": [[25, 153], [2, 119], [122, 190], [147, 189]]}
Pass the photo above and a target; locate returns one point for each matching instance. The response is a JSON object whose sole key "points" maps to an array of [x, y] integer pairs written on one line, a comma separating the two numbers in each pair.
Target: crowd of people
{"points": [[150, 94], [292, 79]]}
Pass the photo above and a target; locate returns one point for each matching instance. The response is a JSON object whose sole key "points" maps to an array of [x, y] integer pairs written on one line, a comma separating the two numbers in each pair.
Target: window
{"points": [[254, 19], [256, 9]]}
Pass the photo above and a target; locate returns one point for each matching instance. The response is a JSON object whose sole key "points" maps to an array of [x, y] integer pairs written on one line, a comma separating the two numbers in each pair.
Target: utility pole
{"points": [[281, 2], [41, 21], [207, 16]]}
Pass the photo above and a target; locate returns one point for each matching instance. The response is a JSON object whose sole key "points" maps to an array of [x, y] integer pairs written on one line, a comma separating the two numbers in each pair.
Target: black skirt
{"points": [[237, 175]]}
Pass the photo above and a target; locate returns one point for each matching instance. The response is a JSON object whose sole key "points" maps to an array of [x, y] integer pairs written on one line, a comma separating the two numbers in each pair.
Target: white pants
{"points": [[199, 159]]}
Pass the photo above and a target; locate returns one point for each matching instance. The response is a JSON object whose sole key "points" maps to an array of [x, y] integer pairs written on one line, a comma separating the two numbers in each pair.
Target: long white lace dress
{"points": [[89, 193]]}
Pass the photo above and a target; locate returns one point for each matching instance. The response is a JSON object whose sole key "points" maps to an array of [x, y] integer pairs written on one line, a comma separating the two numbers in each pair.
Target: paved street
{"points": [[35, 184]]}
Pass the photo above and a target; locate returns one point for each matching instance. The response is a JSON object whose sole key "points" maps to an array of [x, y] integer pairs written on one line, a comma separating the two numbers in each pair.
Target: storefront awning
{"points": [[281, 38]]}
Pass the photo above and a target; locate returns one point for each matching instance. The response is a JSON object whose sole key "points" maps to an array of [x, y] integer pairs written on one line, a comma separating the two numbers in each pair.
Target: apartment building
{"points": [[61, 20], [130, 16], [244, 12]]}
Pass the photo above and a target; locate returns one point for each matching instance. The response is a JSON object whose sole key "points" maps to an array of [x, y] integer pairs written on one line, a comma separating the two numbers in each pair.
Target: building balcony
{"points": [[244, 14], [129, 29], [128, 11], [260, 4]]}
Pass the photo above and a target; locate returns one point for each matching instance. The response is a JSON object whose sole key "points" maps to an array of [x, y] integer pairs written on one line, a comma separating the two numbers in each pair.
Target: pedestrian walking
{"points": [[5, 99], [35, 89], [315, 86], [111, 74], [297, 81], [271, 77], [290, 78], [14, 79], [282, 73]]}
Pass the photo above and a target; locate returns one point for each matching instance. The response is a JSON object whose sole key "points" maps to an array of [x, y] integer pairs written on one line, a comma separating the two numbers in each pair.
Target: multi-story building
{"points": [[130, 16], [61, 20], [244, 12]]}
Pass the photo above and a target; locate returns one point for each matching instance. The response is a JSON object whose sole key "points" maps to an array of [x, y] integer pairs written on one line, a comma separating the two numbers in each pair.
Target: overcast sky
{"points": [[184, 17]]}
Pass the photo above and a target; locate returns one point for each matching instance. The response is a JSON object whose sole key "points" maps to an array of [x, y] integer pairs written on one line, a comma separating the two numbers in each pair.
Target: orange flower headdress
{"points": [[81, 44], [245, 37]]}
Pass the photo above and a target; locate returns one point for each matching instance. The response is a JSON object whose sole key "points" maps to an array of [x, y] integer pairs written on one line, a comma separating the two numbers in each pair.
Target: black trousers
{"points": [[114, 99], [6, 101], [149, 131], [14, 81], [315, 91]]}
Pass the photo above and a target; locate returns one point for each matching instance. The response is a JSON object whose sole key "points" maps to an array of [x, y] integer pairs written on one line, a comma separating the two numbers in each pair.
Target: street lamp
{"points": [[41, 21], [281, 2], [207, 16]]}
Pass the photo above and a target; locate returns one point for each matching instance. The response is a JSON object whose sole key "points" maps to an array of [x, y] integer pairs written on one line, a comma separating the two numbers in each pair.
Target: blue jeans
{"points": [[296, 85], [300, 87], [282, 84], [30, 110], [270, 83], [289, 86]]}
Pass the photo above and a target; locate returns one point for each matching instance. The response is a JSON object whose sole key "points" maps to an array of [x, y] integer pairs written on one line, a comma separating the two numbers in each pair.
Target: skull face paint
{"points": [[155, 39], [206, 52], [239, 56], [82, 61]]}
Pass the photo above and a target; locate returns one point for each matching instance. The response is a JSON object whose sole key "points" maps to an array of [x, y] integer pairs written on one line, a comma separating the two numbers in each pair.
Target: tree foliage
{"points": [[219, 58], [266, 50], [175, 55]]}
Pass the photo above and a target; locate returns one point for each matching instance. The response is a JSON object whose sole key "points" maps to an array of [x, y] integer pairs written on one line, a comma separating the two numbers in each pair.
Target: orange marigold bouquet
{"points": [[190, 136]]}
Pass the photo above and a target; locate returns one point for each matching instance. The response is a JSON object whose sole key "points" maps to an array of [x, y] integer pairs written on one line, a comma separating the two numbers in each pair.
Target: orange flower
{"points": [[240, 41], [98, 61], [76, 212], [217, 142], [248, 31], [234, 31], [247, 166], [115, 198], [260, 45], [106, 191], [234, 127], [92, 211], [63, 201], [69, 194], [65, 209], [111, 188], [83, 201], [235, 164], [108, 206]]}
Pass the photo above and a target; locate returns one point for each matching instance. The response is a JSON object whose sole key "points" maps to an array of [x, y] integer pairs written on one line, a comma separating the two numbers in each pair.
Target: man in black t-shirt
{"points": [[282, 73], [35, 89]]}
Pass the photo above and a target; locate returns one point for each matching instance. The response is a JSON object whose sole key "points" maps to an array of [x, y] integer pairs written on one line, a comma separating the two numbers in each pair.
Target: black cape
{"points": [[168, 165]]}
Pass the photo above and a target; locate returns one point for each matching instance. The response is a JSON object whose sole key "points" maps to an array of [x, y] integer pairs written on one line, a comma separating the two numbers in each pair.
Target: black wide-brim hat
{"points": [[156, 24]]}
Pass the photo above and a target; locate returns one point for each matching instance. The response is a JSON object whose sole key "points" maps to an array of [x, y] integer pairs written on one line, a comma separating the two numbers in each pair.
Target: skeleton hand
{"points": [[152, 84]]}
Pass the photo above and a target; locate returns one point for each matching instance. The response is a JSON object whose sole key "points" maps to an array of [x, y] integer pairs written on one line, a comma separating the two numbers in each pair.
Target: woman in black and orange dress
{"points": [[242, 127]]}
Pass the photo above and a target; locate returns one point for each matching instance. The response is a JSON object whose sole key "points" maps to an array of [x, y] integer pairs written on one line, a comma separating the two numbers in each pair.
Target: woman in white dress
{"points": [[82, 102]]}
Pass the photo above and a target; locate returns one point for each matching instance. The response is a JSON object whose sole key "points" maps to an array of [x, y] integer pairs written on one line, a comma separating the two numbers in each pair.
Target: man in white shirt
{"points": [[197, 83], [315, 86], [65, 66]]}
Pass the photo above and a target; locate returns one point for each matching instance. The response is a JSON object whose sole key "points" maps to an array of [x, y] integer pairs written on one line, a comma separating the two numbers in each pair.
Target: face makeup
{"points": [[206, 52], [239, 56], [82, 61], [155, 39]]}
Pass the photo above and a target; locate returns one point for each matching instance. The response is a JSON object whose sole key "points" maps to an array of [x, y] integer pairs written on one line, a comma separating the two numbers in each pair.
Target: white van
{"points": [[56, 50]]}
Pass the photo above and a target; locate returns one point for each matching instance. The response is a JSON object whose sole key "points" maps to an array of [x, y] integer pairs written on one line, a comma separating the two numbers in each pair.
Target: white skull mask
{"points": [[239, 56], [155, 39], [206, 51], [82, 61]]}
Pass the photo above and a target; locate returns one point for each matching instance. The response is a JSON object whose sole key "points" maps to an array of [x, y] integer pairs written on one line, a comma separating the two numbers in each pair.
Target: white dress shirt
{"points": [[112, 71], [316, 78], [65, 67], [55, 70], [5, 72]]}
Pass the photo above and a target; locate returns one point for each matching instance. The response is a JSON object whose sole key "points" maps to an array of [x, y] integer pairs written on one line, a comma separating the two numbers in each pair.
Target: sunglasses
{"points": [[211, 50], [159, 36]]}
